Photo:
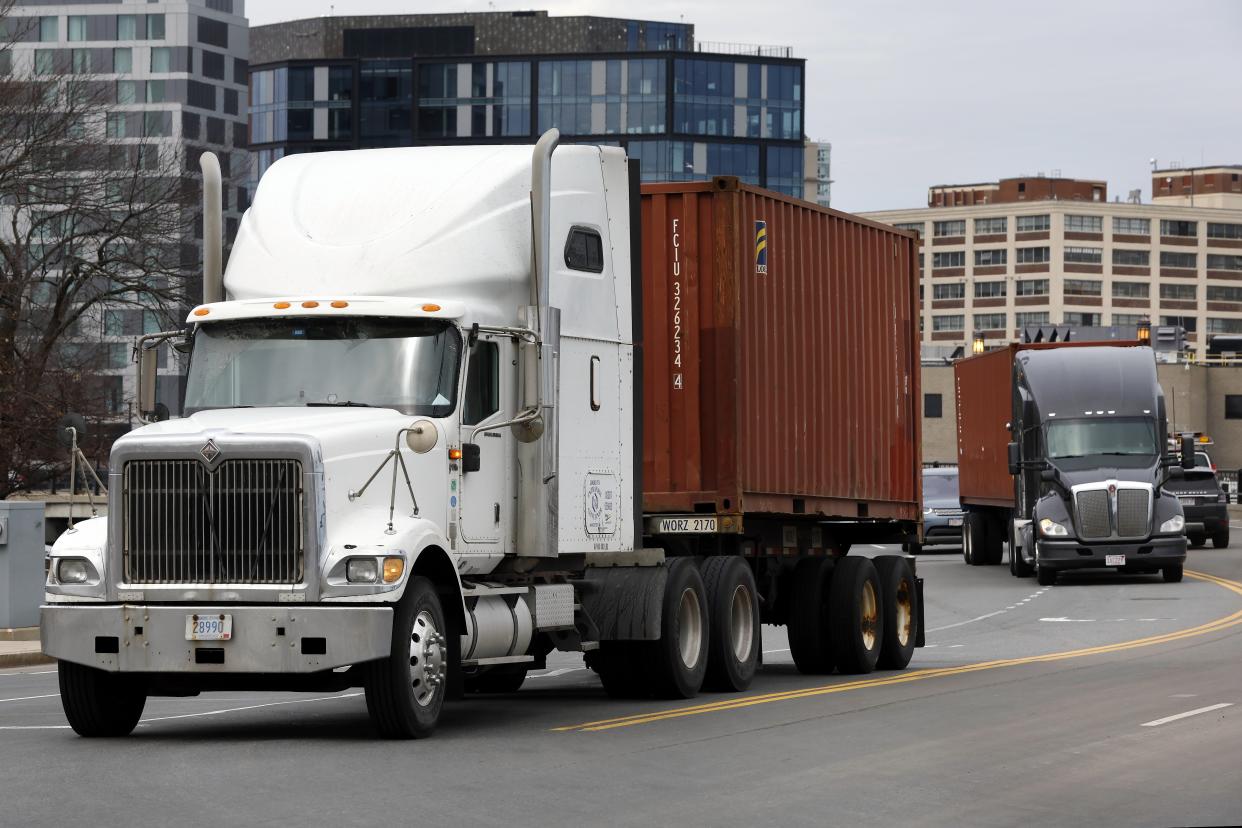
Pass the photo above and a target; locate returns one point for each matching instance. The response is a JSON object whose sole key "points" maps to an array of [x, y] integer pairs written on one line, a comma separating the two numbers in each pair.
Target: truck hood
{"points": [[1095, 474]]}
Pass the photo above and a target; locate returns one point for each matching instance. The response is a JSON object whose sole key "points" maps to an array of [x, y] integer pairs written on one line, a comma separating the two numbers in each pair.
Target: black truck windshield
{"points": [[1124, 436], [407, 364]]}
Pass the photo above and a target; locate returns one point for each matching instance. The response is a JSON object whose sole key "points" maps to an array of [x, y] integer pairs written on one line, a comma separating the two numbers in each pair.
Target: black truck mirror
{"points": [[1013, 458], [1048, 475], [1188, 452], [470, 459]]}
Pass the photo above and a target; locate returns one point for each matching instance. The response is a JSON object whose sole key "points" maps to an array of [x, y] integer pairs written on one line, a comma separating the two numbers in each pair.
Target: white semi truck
{"points": [[410, 461]]}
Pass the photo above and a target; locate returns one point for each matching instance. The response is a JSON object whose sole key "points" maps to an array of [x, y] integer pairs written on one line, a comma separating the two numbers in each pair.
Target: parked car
{"points": [[942, 512], [1203, 501]]}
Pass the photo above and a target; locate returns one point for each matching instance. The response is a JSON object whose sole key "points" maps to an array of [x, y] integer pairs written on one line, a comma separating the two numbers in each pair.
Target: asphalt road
{"points": [[1105, 700]]}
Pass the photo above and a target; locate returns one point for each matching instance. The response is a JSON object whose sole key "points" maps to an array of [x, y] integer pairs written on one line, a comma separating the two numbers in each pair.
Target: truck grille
{"points": [[1097, 520], [238, 524]]}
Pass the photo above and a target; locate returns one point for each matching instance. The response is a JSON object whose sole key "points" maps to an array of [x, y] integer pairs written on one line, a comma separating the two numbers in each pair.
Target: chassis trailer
{"points": [[1060, 455], [427, 440]]}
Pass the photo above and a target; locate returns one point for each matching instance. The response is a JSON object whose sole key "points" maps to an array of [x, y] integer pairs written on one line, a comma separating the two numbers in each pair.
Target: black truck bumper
{"points": [[1149, 554]]}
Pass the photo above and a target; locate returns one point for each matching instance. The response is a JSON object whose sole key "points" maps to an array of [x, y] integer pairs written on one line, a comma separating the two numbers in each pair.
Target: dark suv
{"points": [[1203, 502]]}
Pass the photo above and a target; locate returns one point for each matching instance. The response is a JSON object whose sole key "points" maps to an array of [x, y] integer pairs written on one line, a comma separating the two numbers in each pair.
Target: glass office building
{"points": [[378, 82]]}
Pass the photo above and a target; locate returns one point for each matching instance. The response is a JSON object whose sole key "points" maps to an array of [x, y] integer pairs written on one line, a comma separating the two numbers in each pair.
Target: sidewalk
{"points": [[20, 648]]}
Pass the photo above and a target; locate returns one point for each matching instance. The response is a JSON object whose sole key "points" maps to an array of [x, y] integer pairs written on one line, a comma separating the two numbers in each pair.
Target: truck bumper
{"points": [[267, 639], [1149, 554]]}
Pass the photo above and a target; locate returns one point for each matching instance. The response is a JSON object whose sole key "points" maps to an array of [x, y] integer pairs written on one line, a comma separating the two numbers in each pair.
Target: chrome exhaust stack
{"points": [[213, 236]]}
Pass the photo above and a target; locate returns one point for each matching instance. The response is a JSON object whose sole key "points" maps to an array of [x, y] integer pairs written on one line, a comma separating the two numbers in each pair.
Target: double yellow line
{"points": [[737, 703]]}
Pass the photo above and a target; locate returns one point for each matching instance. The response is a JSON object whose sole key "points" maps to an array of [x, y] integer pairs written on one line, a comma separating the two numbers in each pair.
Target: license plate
{"points": [[214, 627], [1187, 501], [685, 525], [1114, 560], [955, 521]]}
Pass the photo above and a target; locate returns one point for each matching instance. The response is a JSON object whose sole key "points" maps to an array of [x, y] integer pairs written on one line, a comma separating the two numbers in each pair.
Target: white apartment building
{"points": [[999, 257]]}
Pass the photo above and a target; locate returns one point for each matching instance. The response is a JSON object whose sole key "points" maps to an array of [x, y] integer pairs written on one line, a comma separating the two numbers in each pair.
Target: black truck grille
{"points": [[1101, 517]]}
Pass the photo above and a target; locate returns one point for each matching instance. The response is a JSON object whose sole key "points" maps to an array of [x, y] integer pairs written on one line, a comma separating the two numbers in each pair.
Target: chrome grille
{"points": [[1133, 506], [1093, 520], [238, 524]]}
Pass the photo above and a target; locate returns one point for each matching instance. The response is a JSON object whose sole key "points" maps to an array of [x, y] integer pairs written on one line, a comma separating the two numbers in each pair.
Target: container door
{"points": [[485, 502]]}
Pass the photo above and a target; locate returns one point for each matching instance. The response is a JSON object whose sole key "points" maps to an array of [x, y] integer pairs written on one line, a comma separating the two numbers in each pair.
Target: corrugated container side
{"points": [[796, 389], [983, 388]]}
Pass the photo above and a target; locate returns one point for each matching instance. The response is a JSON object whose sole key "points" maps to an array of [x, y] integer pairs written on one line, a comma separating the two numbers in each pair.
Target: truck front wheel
{"points": [[99, 703], [405, 691], [733, 606]]}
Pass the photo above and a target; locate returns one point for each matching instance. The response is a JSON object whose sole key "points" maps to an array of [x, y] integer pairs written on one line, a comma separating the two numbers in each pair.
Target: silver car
{"points": [[942, 511]]}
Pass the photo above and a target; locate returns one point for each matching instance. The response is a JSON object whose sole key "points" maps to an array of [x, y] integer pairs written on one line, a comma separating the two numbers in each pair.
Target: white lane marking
{"points": [[559, 672], [28, 698], [34, 727], [28, 673], [248, 707], [1187, 714], [1183, 695], [961, 623]]}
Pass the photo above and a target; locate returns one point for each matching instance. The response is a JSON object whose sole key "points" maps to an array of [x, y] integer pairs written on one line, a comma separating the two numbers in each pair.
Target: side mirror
{"points": [[1013, 458], [470, 458], [1188, 452], [146, 379], [1048, 475]]}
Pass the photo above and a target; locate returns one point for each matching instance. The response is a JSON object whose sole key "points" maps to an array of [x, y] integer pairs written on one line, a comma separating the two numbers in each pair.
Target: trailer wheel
{"points": [[856, 615], [677, 662], [1221, 539], [503, 678], [994, 540], [733, 607], [99, 703], [405, 691], [899, 596], [1172, 573], [1196, 541], [809, 642], [974, 538]]}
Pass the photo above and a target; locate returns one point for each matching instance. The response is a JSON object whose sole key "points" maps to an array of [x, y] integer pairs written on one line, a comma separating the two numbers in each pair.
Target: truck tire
{"points": [[899, 596], [809, 642], [620, 669], [1172, 573], [733, 607], [994, 540], [1196, 541], [405, 691], [856, 615], [1221, 539], [1045, 575], [1018, 567], [974, 538], [503, 678], [98, 703], [677, 662]]}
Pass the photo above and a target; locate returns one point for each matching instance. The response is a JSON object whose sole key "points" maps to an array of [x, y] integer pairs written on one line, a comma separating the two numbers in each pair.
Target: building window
{"points": [[1083, 287], [933, 405], [949, 229], [49, 29], [1216, 325], [1233, 406], [1216, 262], [703, 96], [81, 61], [1025, 319], [213, 32], [157, 124], [988, 258], [123, 60], [989, 290], [1132, 226], [1131, 258], [1033, 224], [955, 322], [213, 64], [1082, 320], [1171, 259], [201, 95], [118, 125], [127, 27], [1189, 324], [1123, 320], [953, 291], [989, 321], [77, 27], [127, 92], [155, 27], [1179, 293], [1084, 224], [956, 258], [1216, 230], [45, 61], [1189, 229], [1224, 293], [1131, 290], [991, 226], [1032, 287], [1084, 255], [155, 91], [1032, 255], [914, 226]]}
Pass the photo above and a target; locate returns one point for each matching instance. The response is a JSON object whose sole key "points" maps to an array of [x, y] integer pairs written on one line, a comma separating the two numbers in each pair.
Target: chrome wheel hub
{"points": [[428, 669], [689, 629], [742, 622], [868, 608]]}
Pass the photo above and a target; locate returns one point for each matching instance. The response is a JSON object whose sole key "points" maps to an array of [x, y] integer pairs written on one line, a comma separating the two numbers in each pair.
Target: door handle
{"points": [[496, 513]]}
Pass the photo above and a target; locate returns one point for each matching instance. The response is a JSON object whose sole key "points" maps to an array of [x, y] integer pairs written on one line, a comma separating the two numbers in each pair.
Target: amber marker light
{"points": [[280, 305], [310, 304], [393, 567], [454, 454], [340, 304], [202, 311], [431, 308]]}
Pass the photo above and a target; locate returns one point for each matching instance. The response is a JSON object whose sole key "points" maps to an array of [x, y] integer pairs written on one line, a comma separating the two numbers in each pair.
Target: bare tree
{"points": [[94, 210]]}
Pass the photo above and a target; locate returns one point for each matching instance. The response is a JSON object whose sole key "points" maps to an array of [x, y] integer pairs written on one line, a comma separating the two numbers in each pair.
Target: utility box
{"points": [[21, 563]]}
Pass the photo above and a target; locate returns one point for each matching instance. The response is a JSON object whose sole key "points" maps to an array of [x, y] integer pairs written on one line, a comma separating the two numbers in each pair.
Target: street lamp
{"points": [[976, 347], [1144, 331]]}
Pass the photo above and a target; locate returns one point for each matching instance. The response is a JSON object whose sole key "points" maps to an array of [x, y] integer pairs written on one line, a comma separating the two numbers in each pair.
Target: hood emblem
{"points": [[209, 452]]}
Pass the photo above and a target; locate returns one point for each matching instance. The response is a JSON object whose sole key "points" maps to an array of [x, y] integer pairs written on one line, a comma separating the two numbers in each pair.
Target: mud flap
{"points": [[920, 640], [625, 601]]}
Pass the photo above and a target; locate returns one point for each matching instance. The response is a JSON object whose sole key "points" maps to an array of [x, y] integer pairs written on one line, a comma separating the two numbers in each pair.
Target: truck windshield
{"points": [[407, 364], [1127, 436]]}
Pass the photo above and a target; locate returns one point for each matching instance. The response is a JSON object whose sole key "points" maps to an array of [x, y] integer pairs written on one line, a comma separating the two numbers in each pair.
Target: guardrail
{"points": [[744, 49]]}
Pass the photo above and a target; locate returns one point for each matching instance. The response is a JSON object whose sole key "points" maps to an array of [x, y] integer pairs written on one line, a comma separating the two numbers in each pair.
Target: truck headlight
{"points": [[362, 571], [74, 570], [1050, 528], [1174, 524]]}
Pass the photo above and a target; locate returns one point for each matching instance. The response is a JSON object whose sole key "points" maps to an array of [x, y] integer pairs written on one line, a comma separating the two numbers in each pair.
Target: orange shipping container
{"points": [[781, 357]]}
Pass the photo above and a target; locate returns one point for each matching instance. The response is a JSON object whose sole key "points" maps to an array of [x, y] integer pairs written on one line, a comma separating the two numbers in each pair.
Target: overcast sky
{"points": [[919, 92]]}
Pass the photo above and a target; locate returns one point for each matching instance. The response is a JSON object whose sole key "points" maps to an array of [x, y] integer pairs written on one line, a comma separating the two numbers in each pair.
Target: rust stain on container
{"points": [[781, 356]]}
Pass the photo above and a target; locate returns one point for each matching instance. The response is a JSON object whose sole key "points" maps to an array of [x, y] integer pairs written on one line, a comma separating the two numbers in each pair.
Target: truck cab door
{"points": [[485, 496]]}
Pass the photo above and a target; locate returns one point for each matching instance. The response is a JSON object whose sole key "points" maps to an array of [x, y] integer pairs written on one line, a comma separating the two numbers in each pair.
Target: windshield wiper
{"points": [[346, 404]]}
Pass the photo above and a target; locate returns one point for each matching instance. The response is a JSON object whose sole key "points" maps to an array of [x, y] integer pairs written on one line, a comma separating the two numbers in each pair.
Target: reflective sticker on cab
{"points": [[600, 504]]}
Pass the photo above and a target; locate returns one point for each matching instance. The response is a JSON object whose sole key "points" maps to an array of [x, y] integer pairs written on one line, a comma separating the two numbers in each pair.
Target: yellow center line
{"points": [[918, 675]]}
